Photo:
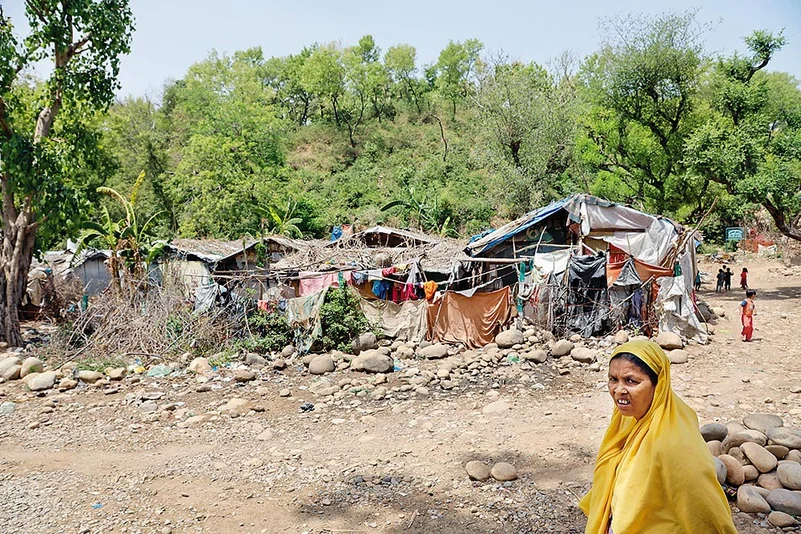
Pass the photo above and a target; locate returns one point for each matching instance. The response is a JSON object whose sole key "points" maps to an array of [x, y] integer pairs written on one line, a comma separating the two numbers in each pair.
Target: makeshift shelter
{"points": [[562, 237], [384, 236], [91, 268]]}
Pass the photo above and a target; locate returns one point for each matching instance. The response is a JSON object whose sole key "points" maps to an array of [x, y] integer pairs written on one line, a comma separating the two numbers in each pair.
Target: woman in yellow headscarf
{"points": [[654, 473]]}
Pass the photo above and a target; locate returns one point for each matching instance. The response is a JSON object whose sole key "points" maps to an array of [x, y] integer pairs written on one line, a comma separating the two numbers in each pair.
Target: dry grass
{"points": [[151, 323]]}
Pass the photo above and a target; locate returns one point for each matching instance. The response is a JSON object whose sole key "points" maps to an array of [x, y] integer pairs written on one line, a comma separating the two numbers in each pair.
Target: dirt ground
{"points": [[97, 464]]}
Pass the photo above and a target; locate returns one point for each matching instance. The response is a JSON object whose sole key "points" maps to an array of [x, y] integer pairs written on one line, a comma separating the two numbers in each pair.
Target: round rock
{"points": [[750, 472], [734, 470], [477, 470], [503, 472], [583, 355], [784, 437], [669, 341], [794, 456], [785, 501], [789, 474], [720, 470], [509, 338], [31, 365], [244, 375], [435, 352], [779, 451], [714, 431], [782, 520], [90, 377], [714, 448], [762, 421], [621, 337], [750, 501], [562, 348], [769, 481], [322, 364], [536, 356], [759, 456], [678, 356], [45, 381]]}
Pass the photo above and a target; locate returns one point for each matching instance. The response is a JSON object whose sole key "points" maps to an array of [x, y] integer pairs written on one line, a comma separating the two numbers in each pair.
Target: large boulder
{"points": [[761, 458], [45, 381], [536, 356], [714, 431], [364, 342], [734, 470], [31, 365], [322, 364], [750, 501], [784, 436], [434, 352], [669, 341], [372, 361], [200, 366], [785, 501], [562, 348], [789, 474], [509, 338], [583, 355], [678, 356], [10, 368], [762, 421]]}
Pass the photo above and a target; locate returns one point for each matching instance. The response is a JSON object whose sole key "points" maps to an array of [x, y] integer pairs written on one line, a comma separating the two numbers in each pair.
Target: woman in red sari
{"points": [[747, 316]]}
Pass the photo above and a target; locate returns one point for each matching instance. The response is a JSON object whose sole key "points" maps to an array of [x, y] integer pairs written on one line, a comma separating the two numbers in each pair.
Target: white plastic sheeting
{"points": [[675, 304], [649, 246], [552, 262]]}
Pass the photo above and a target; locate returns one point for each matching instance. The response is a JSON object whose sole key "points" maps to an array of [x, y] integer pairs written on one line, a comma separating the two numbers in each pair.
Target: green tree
{"points": [[47, 136], [529, 119], [751, 143], [456, 65], [400, 62], [641, 91]]}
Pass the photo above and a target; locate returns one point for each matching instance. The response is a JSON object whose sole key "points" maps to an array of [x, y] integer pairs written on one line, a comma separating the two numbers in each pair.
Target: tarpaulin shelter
{"points": [[473, 320], [565, 231]]}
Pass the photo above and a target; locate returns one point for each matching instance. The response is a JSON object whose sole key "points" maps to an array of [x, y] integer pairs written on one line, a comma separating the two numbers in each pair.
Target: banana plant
{"points": [[132, 245]]}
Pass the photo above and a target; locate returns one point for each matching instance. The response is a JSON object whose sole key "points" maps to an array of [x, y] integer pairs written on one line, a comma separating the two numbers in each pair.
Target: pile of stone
{"points": [[761, 458]]}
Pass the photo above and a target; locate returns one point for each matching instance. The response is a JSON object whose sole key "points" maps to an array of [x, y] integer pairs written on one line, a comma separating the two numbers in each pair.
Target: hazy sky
{"points": [[172, 34]]}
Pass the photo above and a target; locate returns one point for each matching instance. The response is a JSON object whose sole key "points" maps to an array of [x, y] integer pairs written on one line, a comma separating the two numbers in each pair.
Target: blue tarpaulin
{"points": [[486, 242]]}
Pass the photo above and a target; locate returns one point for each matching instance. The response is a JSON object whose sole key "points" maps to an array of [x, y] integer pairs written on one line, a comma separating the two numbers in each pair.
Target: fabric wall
{"points": [[474, 321], [407, 320], [303, 315], [587, 296]]}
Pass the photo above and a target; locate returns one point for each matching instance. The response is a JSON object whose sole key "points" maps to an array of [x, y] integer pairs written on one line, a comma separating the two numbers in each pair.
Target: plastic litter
{"points": [[513, 358], [97, 505], [159, 371], [306, 407]]}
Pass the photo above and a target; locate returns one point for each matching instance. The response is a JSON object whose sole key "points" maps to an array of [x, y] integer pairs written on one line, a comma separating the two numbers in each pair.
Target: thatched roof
{"points": [[433, 256]]}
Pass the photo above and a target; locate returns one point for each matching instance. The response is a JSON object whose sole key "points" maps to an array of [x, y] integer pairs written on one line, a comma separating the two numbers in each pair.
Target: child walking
{"points": [[744, 279], [721, 279], [747, 315]]}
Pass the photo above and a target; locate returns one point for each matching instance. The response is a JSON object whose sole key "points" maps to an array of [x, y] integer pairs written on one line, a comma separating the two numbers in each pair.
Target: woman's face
{"points": [[630, 388]]}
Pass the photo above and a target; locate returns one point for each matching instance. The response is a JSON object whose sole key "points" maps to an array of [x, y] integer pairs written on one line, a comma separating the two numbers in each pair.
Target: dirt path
{"points": [[96, 464]]}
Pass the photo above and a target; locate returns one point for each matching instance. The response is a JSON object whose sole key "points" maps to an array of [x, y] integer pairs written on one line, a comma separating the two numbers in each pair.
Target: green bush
{"points": [[269, 330], [342, 319]]}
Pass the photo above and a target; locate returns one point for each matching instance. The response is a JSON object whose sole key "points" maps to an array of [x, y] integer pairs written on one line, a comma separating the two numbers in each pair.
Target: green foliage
{"points": [[99, 364], [293, 145], [269, 330], [131, 242], [341, 318]]}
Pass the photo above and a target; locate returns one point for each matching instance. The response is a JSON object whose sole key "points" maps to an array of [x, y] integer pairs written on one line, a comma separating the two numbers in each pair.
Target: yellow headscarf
{"points": [[656, 475]]}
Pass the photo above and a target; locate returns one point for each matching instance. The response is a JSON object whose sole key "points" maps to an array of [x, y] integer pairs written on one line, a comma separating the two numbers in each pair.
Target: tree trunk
{"points": [[791, 230], [19, 236], [514, 146]]}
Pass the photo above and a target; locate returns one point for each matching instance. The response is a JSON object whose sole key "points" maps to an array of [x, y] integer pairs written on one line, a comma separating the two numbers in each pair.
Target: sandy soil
{"points": [[96, 464]]}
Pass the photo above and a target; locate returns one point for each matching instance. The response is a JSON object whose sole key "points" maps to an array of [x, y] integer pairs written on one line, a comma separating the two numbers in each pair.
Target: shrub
{"points": [[341, 318], [269, 330]]}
